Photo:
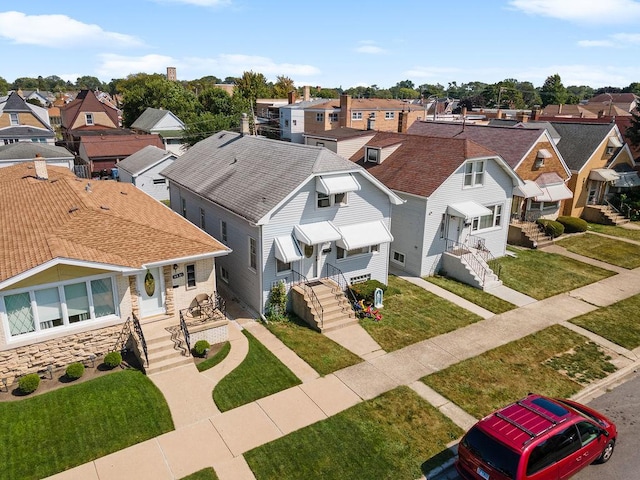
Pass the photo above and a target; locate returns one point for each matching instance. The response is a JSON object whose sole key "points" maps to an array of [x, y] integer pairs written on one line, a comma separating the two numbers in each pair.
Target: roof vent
{"points": [[73, 209], [87, 187], [41, 168], [104, 207]]}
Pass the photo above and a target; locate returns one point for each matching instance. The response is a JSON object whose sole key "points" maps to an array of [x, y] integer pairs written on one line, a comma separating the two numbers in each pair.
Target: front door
{"points": [[594, 192], [150, 288], [456, 228], [309, 261]]}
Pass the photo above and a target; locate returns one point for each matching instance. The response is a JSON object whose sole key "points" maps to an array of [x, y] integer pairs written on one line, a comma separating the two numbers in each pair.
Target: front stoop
{"points": [[528, 234], [162, 352], [337, 312], [603, 214]]}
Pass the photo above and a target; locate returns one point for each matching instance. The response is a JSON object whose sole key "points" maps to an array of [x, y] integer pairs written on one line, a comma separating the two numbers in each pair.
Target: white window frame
{"points": [[223, 231], [496, 219], [389, 115], [224, 274], [333, 117], [398, 257], [38, 330], [342, 254], [335, 199], [282, 268], [253, 254], [319, 117], [368, 155], [356, 115], [14, 119], [609, 150], [88, 119], [183, 206], [474, 174]]}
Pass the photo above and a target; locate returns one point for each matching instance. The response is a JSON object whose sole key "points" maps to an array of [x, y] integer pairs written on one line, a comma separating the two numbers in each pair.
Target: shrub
{"points": [[551, 227], [365, 290], [113, 359], [277, 306], [200, 348], [29, 383], [74, 371], [573, 224]]}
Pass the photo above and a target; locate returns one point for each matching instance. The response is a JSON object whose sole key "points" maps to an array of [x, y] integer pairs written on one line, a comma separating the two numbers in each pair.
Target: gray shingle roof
{"points": [[250, 175], [143, 159], [149, 119], [28, 150], [578, 141], [15, 103]]}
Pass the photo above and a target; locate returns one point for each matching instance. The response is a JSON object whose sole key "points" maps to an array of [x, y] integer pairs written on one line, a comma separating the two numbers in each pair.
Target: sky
{"points": [[328, 43]]}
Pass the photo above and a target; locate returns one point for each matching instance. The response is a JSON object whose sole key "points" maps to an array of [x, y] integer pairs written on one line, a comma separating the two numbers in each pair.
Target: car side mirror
{"points": [[604, 432]]}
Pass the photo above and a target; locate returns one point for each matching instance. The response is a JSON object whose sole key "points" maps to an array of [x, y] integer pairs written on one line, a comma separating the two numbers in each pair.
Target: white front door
{"points": [[309, 262], [150, 293], [456, 229]]}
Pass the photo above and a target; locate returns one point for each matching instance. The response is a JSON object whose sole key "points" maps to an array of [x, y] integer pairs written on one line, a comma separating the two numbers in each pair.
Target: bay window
{"points": [[494, 219]]}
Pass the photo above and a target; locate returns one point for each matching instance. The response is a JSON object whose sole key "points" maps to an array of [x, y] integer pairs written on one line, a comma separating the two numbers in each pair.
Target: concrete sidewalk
{"points": [[205, 437]]}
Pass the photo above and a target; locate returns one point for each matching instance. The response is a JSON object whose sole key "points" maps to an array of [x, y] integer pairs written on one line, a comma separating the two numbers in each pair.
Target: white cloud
{"points": [[367, 46], [619, 40], [627, 37], [59, 31], [119, 66], [583, 11], [595, 43]]}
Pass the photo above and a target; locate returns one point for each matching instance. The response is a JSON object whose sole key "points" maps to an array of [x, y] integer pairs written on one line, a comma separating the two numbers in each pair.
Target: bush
{"points": [[277, 306], [551, 227], [365, 290], [113, 359], [573, 224], [200, 348], [74, 371], [29, 383]]}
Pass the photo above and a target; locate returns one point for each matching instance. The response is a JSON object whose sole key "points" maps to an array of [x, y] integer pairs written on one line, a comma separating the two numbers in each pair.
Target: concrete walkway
{"points": [[205, 437]]}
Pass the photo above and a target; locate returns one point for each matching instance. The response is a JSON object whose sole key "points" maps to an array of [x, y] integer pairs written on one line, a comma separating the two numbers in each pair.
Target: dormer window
{"points": [[372, 155], [612, 144], [14, 119], [543, 154], [88, 118]]}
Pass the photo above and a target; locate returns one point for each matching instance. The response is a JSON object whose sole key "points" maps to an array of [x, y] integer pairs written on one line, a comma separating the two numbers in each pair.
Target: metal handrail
{"points": [[138, 329], [474, 258], [125, 333], [299, 279], [335, 274], [185, 333]]}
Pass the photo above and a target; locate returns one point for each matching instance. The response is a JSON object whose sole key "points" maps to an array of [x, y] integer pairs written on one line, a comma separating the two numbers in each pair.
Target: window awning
{"points": [[468, 210], [554, 193], [543, 153], [528, 190], [332, 184], [364, 234], [287, 249], [315, 233], [614, 142], [627, 180], [603, 175]]}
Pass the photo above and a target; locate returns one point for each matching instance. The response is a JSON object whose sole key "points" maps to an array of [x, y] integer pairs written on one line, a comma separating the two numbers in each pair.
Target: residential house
{"points": [[585, 111], [626, 102], [143, 170], [21, 121], [457, 195], [101, 153], [362, 113], [291, 213], [80, 259], [292, 119], [530, 150], [164, 123], [24, 152], [601, 164], [45, 99], [343, 141]]}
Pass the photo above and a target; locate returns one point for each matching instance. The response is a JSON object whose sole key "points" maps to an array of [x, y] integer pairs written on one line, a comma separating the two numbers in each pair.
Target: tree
{"points": [[634, 87], [325, 93], [553, 91], [404, 89], [252, 85], [581, 92], [199, 127], [530, 95], [427, 90], [4, 86], [283, 86], [89, 83], [216, 100], [25, 83], [633, 131]]}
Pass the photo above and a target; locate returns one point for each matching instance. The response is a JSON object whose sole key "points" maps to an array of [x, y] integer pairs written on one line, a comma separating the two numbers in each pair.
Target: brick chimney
{"points": [[244, 125], [40, 165], [522, 117], [307, 95], [559, 109], [345, 110], [536, 113], [291, 97], [464, 111], [403, 122]]}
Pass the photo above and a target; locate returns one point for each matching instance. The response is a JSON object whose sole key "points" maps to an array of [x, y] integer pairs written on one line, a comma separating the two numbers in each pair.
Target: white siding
{"points": [[145, 180], [347, 148], [407, 228]]}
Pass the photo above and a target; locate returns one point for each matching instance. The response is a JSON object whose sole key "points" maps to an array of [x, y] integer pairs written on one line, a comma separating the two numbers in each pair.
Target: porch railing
{"points": [[138, 329], [335, 274], [301, 280], [623, 209], [479, 260], [185, 333]]}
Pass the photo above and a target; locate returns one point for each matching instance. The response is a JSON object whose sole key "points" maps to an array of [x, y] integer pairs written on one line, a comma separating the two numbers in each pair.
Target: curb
{"points": [[433, 473]]}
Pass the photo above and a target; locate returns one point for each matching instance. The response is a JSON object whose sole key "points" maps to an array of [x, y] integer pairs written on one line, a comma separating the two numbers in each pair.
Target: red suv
{"points": [[536, 438]]}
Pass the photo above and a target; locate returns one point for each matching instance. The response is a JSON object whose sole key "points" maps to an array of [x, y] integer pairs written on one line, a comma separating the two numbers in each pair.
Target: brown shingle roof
{"points": [[112, 223], [118, 145], [420, 164]]}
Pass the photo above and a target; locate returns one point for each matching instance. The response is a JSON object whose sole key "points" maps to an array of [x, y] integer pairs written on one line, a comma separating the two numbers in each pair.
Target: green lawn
{"points": [[616, 231], [215, 359], [204, 474], [388, 437], [474, 295], [323, 354], [609, 250], [75, 424], [617, 323], [541, 275], [411, 314], [489, 381], [260, 374]]}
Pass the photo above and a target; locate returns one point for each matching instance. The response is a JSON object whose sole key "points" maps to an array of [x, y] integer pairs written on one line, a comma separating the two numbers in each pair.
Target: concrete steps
{"points": [[161, 350], [336, 309]]}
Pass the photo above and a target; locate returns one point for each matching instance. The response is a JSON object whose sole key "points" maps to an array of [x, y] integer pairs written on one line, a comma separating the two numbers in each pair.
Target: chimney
{"points": [[464, 111], [307, 95], [345, 110], [559, 109], [522, 117], [291, 97], [499, 114], [536, 112], [371, 122], [40, 165], [244, 125], [403, 122]]}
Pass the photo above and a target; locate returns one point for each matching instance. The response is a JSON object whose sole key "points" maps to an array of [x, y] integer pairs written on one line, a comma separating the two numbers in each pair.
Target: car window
{"points": [[588, 432], [553, 449], [492, 452]]}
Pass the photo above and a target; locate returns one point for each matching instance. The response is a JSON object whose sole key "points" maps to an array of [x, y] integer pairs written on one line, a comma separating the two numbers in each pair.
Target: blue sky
{"points": [[328, 43]]}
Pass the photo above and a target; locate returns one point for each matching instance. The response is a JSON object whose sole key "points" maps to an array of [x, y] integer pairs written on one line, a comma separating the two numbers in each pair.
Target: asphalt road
{"points": [[622, 405]]}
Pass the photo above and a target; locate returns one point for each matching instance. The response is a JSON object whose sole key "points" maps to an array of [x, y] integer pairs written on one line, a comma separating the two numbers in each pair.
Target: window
{"points": [[333, 117], [373, 155], [253, 254], [389, 115], [319, 117], [341, 253], [59, 306], [191, 275], [88, 118], [8, 141], [294, 122], [223, 230], [282, 267], [159, 181], [359, 279], [553, 449], [397, 257], [183, 206], [14, 119], [543, 205], [588, 432], [474, 173], [494, 219], [203, 219], [224, 275], [356, 115], [372, 115], [324, 200]]}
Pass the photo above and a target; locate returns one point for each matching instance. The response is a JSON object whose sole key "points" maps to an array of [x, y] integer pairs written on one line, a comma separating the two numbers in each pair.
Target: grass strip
{"points": [[608, 250], [474, 295]]}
